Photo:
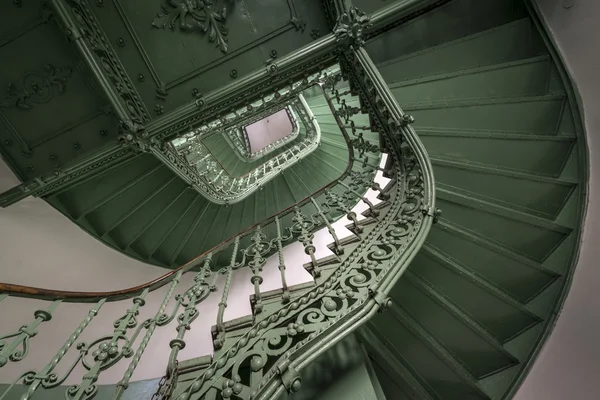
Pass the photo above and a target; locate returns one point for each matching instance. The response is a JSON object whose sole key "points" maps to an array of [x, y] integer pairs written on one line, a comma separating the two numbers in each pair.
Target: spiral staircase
{"points": [[494, 116], [471, 94]]}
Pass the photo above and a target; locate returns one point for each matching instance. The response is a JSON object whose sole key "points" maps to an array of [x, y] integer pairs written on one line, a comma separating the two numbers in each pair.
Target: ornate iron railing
{"points": [[239, 140], [259, 357], [193, 161]]}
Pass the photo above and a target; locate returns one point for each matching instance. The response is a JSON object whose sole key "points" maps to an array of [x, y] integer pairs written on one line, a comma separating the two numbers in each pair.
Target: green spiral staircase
{"points": [[493, 113], [472, 93]]}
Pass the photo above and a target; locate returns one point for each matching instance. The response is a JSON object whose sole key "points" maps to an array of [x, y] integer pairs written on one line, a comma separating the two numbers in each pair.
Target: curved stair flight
{"points": [[493, 114]]}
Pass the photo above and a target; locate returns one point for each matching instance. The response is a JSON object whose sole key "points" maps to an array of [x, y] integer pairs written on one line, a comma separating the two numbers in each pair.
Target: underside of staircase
{"points": [[144, 210], [491, 108]]}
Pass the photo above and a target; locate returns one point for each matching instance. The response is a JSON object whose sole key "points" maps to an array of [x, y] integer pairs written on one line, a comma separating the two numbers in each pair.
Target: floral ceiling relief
{"points": [[203, 16]]}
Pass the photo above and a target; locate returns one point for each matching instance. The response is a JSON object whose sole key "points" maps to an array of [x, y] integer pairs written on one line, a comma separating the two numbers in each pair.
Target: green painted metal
{"points": [[497, 123], [411, 221], [497, 120]]}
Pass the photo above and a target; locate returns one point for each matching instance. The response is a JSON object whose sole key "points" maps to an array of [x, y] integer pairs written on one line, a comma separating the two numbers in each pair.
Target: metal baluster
{"points": [[234, 181], [339, 203], [345, 111], [211, 181], [8, 351], [352, 126], [366, 163], [107, 354], [194, 295], [219, 336], [258, 249], [303, 227], [372, 209], [377, 187], [160, 319], [47, 378], [363, 146], [286, 291], [338, 249]]}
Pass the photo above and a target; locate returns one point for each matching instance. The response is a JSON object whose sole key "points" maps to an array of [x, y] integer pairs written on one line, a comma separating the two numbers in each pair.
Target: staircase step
{"points": [[527, 77], [208, 234], [444, 23], [91, 194], [471, 345], [538, 196], [518, 277], [525, 234], [177, 237], [534, 154], [502, 318], [137, 222], [156, 234], [437, 371], [510, 42], [106, 216], [165, 209], [539, 114], [389, 383], [398, 379]]}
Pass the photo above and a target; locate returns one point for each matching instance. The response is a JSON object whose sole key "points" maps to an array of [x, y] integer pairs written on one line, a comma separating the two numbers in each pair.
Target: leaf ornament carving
{"points": [[195, 16], [36, 87]]}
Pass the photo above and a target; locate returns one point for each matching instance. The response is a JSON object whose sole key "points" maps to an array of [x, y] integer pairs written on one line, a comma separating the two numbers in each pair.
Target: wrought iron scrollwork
{"points": [[17, 349]]}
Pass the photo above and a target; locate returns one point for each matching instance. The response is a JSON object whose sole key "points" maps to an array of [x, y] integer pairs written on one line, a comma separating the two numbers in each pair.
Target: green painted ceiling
{"points": [[54, 111]]}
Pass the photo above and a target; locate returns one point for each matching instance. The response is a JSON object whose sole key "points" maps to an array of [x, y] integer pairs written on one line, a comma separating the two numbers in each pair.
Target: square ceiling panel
{"points": [[176, 50]]}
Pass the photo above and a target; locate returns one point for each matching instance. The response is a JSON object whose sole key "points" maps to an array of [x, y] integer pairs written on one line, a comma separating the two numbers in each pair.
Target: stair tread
{"points": [[528, 77], [508, 42], [435, 367], [480, 353], [501, 316]]}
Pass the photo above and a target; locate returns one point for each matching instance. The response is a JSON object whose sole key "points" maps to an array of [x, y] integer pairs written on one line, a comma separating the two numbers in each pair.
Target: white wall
{"points": [[568, 366]]}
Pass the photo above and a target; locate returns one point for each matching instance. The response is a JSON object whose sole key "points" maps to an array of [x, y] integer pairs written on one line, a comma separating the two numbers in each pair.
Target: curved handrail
{"points": [[17, 290]]}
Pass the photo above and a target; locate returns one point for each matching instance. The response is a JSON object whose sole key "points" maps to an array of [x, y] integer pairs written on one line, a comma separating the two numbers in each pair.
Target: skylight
{"points": [[269, 130]]}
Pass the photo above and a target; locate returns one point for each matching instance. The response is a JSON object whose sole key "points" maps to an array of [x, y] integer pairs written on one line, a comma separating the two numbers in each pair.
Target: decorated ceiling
{"points": [[152, 56]]}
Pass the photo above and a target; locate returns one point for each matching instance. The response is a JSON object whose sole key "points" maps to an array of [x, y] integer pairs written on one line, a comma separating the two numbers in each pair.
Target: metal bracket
{"points": [[289, 376], [382, 299], [406, 120], [434, 213]]}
